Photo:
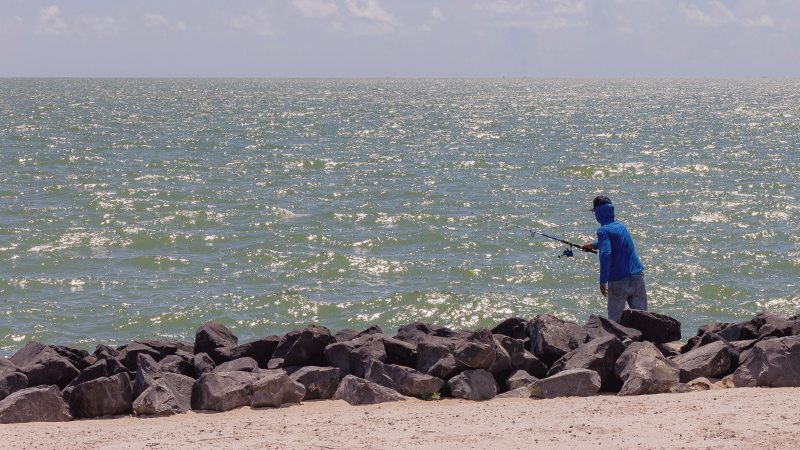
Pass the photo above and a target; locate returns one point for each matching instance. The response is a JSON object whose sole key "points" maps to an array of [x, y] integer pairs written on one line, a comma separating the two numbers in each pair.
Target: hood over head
{"points": [[604, 213]]}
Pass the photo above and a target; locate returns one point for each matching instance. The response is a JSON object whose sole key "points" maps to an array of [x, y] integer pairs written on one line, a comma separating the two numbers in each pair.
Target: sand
{"points": [[733, 418]]}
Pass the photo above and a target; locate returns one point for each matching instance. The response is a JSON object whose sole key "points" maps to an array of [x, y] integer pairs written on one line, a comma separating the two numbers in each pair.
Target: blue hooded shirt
{"points": [[618, 258]]}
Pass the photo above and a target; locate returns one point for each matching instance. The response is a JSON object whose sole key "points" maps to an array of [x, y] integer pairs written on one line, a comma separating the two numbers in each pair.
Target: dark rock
{"points": [[111, 356], [599, 355], [416, 331], [357, 391], [772, 362], [477, 385], [669, 349], [728, 331], [501, 366], [514, 327], [11, 381], [74, 355], [774, 319], [744, 345], [552, 338], [223, 391], [102, 397], [445, 357], [525, 360], [351, 357], [404, 380], [699, 341], [36, 404], [7, 366], [162, 399], [45, 367], [202, 364], [26, 354], [511, 345], [93, 372], [656, 328], [320, 382], [681, 388], [710, 361], [518, 379], [770, 330], [373, 329], [180, 363], [796, 327], [105, 349], [599, 326], [216, 340], [275, 389], [260, 350], [302, 347], [158, 349], [399, 352], [345, 335], [643, 369], [242, 364], [569, 383], [147, 371], [523, 392]]}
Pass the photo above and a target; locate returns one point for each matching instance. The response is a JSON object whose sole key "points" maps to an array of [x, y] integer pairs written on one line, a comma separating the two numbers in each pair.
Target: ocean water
{"points": [[139, 208]]}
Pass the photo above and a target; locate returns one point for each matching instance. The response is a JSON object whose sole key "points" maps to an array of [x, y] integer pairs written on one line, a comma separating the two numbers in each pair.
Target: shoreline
{"points": [[727, 419]]}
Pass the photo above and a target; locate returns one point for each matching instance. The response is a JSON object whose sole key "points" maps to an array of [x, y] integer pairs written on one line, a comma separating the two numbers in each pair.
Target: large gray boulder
{"points": [[111, 356], [76, 356], [599, 326], [260, 350], [319, 382], [404, 380], [202, 364], [348, 334], [180, 363], [445, 357], [302, 347], [216, 340], [107, 396], [11, 378], [569, 383], [477, 385], [552, 338], [709, 361], [245, 364], [352, 357], [514, 327], [43, 366], [655, 328], [147, 371], [501, 366], [728, 331], [357, 391], [223, 391], [771, 362], [36, 404], [93, 372], [163, 398], [158, 349], [518, 379], [644, 370], [276, 388], [521, 359], [417, 331], [599, 355], [768, 322]]}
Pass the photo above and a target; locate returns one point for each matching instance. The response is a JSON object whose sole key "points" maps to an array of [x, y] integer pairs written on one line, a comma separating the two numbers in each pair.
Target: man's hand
{"points": [[587, 247], [604, 289]]}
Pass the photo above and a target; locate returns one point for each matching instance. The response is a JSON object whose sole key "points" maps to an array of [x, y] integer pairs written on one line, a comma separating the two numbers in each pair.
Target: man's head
{"points": [[600, 200]]}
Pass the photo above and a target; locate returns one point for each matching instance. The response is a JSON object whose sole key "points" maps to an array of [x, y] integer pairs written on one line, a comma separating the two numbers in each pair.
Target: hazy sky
{"points": [[401, 38]]}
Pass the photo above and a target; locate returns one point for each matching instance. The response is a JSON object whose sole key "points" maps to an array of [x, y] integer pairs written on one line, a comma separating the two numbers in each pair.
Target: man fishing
{"points": [[621, 272]]}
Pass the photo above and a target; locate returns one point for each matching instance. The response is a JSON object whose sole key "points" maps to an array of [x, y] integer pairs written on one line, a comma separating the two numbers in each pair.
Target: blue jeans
{"points": [[628, 290]]}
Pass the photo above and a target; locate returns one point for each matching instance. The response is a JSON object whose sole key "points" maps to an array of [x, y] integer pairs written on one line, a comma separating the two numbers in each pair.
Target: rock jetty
{"points": [[540, 357]]}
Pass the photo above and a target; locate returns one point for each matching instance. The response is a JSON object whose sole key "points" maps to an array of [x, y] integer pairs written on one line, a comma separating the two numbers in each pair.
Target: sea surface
{"points": [[141, 208]]}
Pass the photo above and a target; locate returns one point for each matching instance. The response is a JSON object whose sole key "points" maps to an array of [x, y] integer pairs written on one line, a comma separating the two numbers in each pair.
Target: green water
{"points": [[143, 208]]}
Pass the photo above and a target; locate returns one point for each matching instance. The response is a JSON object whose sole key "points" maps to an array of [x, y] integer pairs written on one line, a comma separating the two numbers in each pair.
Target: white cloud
{"points": [[102, 27], [719, 15], [180, 26], [371, 10], [51, 23], [155, 20], [539, 15], [259, 23], [315, 9], [437, 14]]}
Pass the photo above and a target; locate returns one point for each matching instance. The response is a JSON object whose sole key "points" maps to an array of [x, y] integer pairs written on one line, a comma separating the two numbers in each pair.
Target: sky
{"points": [[401, 38]]}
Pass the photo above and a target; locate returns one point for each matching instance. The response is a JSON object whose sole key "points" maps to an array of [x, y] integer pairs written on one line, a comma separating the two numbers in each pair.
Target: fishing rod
{"points": [[568, 252]]}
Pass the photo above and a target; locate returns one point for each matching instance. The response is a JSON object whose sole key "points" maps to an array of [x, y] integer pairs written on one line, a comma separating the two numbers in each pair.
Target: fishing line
{"points": [[567, 252]]}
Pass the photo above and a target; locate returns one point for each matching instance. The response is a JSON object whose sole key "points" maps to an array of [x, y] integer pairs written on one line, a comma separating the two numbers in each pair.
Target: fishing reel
{"points": [[567, 253]]}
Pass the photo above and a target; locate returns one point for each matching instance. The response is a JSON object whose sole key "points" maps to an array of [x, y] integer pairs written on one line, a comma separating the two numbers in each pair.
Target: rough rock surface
{"points": [[712, 360], [656, 328], [417, 331], [180, 363], [260, 350], [93, 372], [158, 349], [523, 392], [514, 327], [202, 364], [223, 391], [320, 382], [445, 357], [351, 357], [216, 340], [404, 380], [357, 391], [519, 379], [275, 389], [43, 366], [102, 397], [245, 364], [569, 383], [162, 399], [644, 370], [599, 355], [599, 326], [477, 385], [11, 378], [302, 347], [728, 331], [36, 404], [552, 338], [772, 362]]}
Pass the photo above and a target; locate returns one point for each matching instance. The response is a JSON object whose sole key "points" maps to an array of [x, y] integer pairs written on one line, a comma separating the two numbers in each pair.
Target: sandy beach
{"points": [[760, 418]]}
